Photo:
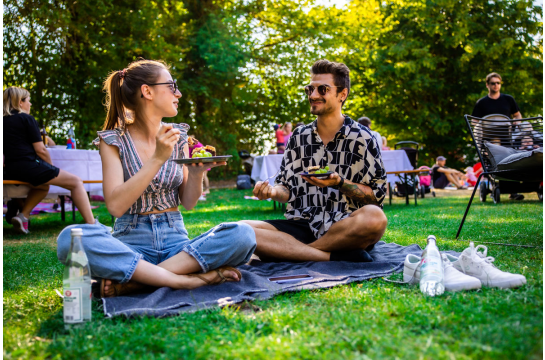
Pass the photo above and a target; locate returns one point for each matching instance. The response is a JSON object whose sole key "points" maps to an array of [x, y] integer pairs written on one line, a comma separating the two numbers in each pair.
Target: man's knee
{"points": [[373, 219], [256, 224]]}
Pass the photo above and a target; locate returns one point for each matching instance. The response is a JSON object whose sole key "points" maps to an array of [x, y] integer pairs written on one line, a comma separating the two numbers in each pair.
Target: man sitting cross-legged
{"points": [[334, 218], [442, 175]]}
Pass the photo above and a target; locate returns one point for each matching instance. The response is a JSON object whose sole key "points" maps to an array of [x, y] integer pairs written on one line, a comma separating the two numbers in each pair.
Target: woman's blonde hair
{"points": [[123, 91], [12, 97]]}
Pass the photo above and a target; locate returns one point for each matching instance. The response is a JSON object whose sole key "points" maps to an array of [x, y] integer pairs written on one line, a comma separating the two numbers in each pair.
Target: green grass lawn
{"points": [[367, 320]]}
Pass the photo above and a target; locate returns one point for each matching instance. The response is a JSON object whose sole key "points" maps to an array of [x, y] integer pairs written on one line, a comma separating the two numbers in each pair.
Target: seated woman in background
{"points": [[27, 159], [143, 189]]}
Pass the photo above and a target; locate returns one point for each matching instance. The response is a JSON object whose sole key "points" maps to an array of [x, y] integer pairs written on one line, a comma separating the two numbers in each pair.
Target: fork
{"points": [[271, 177]]}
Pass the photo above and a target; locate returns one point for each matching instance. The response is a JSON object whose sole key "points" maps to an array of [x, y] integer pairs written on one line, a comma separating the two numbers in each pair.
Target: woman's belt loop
{"points": [[170, 214]]}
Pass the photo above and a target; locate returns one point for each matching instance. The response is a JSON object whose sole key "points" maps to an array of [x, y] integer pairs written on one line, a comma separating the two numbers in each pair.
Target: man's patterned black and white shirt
{"points": [[353, 153]]}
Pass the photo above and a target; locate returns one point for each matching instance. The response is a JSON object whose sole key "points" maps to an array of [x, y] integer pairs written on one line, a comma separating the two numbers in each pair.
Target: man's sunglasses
{"points": [[495, 83], [322, 89], [172, 84]]}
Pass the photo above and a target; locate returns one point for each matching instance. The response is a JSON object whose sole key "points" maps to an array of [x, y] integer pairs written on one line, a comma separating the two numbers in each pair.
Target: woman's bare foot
{"points": [[113, 288], [214, 277]]}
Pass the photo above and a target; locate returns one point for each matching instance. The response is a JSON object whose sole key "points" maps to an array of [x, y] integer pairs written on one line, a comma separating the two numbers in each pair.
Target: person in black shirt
{"points": [[26, 159], [497, 103]]}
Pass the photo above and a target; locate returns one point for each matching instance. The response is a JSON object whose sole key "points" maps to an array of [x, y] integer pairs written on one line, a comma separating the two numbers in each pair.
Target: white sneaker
{"points": [[453, 279], [202, 198], [477, 264], [20, 223]]}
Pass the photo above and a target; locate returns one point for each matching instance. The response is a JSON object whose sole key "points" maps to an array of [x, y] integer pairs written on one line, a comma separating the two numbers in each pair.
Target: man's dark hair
{"points": [[365, 121], [340, 72], [492, 75]]}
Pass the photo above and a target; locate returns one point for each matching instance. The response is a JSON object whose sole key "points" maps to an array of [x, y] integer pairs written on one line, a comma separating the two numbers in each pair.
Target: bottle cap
{"points": [[76, 231]]}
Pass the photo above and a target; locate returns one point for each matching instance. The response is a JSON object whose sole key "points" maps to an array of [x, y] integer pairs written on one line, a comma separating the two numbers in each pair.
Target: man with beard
{"points": [[333, 218], [497, 103]]}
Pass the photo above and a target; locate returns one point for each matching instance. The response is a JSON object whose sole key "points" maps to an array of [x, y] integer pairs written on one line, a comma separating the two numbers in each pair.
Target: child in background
{"points": [[471, 179], [528, 143], [206, 183]]}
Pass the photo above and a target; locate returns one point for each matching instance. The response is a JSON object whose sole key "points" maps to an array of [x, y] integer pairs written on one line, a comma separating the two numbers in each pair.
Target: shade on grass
{"points": [[372, 319]]}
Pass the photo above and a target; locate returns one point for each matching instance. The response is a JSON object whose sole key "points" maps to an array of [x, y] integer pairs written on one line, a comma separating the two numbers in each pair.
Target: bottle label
{"points": [[72, 305], [431, 265]]}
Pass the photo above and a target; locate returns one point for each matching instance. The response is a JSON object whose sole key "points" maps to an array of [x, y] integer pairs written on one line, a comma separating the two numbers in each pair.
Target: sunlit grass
{"points": [[367, 320]]}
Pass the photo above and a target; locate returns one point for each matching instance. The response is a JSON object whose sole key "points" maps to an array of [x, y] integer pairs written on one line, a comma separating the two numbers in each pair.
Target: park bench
{"points": [[61, 197]]}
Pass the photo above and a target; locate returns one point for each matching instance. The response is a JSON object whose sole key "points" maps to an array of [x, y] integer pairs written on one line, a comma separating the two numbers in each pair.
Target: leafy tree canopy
{"points": [[416, 66]]}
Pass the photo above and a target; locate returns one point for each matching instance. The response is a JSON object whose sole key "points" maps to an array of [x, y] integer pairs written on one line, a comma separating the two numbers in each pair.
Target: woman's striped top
{"points": [[162, 192]]}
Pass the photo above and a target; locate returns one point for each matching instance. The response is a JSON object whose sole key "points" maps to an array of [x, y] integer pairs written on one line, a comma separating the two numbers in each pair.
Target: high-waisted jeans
{"points": [[156, 238]]}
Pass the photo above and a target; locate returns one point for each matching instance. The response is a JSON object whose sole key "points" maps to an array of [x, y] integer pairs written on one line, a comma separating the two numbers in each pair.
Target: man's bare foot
{"points": [[113, 288]]}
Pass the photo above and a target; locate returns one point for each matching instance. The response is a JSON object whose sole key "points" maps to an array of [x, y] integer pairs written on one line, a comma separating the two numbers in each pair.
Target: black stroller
{"points": [[401, 188]]}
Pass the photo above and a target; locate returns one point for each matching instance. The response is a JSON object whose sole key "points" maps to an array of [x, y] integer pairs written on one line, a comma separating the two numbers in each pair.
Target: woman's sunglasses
{"points": [[172, 84], [322, 89]]}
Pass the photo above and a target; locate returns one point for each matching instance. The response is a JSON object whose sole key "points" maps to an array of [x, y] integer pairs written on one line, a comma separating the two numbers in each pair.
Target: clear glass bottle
{"points": [[431, 270], [77, 282]]}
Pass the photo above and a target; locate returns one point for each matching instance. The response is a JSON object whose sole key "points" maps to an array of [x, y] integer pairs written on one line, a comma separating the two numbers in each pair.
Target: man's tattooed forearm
{"points": [[354, 192], [282, 193]]}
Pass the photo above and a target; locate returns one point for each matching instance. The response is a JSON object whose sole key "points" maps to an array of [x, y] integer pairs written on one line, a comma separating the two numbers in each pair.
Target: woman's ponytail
{"points": [[115, 116], [123, 94]]}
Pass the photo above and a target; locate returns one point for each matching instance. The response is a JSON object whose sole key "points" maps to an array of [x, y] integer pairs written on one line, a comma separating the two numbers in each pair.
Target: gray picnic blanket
{"points": [[388, 259]]}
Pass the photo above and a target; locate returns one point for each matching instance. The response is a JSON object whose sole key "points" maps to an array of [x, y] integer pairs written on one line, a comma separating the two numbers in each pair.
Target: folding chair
{"points": [[508, 168]]}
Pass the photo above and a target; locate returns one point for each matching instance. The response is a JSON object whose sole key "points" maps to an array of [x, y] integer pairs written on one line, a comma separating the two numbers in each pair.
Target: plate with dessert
{"points": [[317, 172], [202, 154]]}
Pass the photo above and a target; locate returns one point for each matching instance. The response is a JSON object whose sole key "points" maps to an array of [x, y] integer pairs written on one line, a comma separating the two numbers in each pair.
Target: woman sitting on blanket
{"points": [[142, 188]]}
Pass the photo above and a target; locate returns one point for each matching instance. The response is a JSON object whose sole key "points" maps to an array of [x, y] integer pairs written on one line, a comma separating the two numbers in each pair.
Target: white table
{"points": [[266, 166], [395, 160], [84, 163]]}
